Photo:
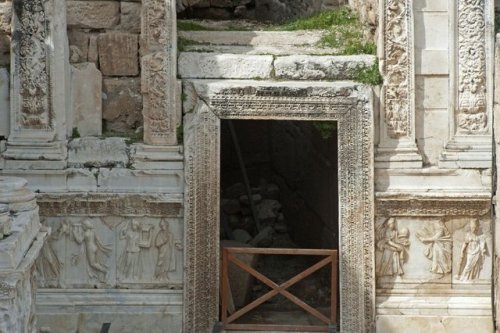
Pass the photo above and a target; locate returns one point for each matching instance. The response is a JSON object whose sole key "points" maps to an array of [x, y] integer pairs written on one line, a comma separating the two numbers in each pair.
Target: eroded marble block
{"points": [[97, 152], [118, 54], [86, 93], [93, 14]]}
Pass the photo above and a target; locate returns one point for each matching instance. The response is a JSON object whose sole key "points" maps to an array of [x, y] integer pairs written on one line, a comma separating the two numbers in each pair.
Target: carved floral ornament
{"points": [[30, 66], [398, 86], [472, 115]]}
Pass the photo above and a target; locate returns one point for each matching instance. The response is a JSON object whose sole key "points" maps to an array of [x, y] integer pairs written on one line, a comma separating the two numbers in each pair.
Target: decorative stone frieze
{"points": [[347, 103], [397, 147], [471, 88], [159, 72]]}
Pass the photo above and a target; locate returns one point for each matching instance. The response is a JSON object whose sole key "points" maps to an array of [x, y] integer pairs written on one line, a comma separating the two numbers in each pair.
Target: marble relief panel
{"points": [[411, 251], [112, 251]]}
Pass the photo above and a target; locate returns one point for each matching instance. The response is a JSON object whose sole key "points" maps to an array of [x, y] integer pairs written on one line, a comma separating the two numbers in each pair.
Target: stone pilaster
{"points": [[19, 249], [397, 147], [39, 86], [471, 88], [159, 72]]}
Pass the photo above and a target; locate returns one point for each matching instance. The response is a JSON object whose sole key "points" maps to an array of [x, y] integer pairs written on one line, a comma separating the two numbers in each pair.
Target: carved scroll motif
{"points": [[398, 68], [472, 117], [155, 80], [31, 65], [159, 71]]}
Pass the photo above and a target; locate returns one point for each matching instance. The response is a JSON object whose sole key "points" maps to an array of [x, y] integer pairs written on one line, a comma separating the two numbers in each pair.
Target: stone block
{"points": [[431, 62], [4, 102], [138, 181], [130, 17], [93, 54], [118, 54], [93, 14], [78, 46], [97, 152], [86, 95], [299, 67], [122, 105], [240, 282], [224, 66], [431, 30], [431, 92]]}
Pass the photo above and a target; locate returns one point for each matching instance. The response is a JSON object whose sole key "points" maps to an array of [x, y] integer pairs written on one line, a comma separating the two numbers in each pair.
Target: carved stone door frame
{"points": [[348, 103]]}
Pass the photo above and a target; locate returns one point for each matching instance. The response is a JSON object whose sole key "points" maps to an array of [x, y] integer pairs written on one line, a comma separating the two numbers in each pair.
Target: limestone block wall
{"points": [[104, 51]]}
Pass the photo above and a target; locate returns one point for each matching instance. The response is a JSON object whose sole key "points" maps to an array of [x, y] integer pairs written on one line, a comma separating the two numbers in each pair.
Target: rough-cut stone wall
{"points": [[262, 10], [104, 41], [368, 14]]}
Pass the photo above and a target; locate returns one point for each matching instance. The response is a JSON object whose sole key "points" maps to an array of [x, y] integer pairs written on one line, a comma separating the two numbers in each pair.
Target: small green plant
{"points": [[369, 75], [135, 138], [183, 43], [326, 128], [75, 134], [180, 134]]}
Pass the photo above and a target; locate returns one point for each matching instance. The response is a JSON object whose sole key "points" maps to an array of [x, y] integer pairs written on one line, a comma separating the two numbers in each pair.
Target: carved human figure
{"points": [[472, 253], [136, 237], [166, 255], [439, 247], [48, 264], [393, 244], [96, 252]]}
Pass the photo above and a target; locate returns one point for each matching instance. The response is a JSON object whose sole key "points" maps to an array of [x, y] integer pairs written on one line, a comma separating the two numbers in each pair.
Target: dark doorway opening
{"points": [[279, 189]]}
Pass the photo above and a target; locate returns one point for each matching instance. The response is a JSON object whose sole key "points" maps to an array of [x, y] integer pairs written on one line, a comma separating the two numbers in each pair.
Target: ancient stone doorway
{"points": [[206, 103], [279, 189]]}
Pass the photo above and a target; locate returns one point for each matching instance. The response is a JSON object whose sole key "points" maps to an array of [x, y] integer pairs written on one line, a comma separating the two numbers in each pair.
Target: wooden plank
{"points": [[304, 252], [285, 328]]}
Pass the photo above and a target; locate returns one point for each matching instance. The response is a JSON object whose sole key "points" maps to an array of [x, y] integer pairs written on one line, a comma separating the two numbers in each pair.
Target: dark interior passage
{"points": [[292, 173]]}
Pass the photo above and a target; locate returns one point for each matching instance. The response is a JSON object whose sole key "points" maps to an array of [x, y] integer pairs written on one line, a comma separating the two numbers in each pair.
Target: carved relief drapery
{"points": [[159, 74], [31, 66], [351, 107], [472, 117], [398, 68]]}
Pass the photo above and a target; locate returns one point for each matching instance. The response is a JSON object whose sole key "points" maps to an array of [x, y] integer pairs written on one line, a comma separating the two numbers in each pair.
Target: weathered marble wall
{"points": [[368, 12]]}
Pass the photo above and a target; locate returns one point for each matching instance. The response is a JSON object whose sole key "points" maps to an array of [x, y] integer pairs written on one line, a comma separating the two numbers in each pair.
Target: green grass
{"points": [[342, 31], [369, 75], [186, 25], [325, 20]]}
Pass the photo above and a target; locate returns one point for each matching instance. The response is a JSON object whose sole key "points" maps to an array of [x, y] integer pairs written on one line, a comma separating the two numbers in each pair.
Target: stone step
{"points": [[255, 42], [206, 65]]}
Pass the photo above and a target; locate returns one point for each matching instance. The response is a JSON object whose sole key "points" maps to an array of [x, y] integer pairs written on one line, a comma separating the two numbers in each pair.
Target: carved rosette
{"points": [[31, 65], [472, 116], [159, 72], [398, 87]]}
